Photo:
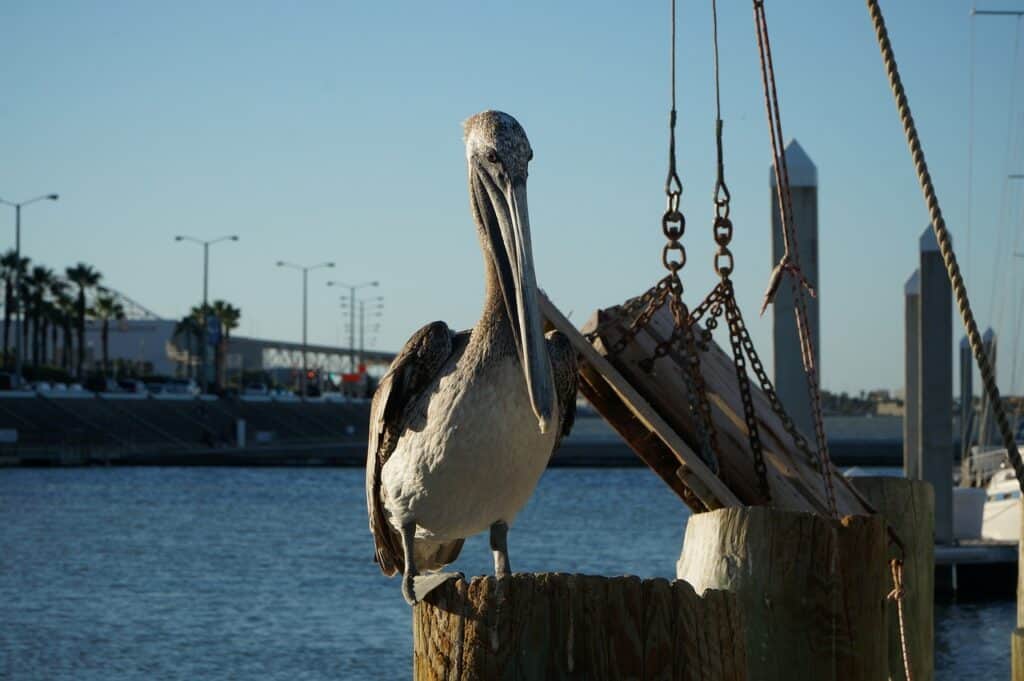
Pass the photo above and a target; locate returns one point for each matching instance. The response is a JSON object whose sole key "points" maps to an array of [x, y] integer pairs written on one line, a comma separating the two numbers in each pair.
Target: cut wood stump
{"points": [[907, 505], [559, 626], [812, 590]]}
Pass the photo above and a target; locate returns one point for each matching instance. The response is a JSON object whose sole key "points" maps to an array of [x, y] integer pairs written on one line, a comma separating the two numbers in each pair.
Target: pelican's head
{"points": [[498, 152]]}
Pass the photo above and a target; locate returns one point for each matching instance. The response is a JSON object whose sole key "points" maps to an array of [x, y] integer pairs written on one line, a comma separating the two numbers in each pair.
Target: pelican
{"points": [[463, 424]]}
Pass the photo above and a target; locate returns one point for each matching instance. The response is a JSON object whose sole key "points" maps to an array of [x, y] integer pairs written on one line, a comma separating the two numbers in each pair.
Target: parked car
{"points": [[7, 381], [132, 385], [42, 387], [99, 384], [181, 386], [256, 389]]}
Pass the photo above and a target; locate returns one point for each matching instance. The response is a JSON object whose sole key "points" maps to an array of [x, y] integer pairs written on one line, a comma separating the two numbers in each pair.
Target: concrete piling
{"points": [[790, 379], [935, 347], [911, 372], [966, 394]]}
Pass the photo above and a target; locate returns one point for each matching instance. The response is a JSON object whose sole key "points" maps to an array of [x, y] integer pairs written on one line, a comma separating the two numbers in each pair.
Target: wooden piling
{"points": [[811, 590], [559, 626], [907, 505]]}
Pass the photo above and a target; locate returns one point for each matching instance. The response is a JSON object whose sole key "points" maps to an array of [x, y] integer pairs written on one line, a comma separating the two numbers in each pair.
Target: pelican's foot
{"points": [[417, 588], [408, 592]]}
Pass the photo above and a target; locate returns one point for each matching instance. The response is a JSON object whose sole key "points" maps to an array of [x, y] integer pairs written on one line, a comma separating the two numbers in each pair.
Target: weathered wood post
{"points": [[911, 372], [935, 427], [906, 506], [812, 590], [558, 626]]}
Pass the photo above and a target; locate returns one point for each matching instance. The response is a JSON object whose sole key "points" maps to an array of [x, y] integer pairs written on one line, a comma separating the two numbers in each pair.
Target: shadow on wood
{"points": [[907, 506], [559, 626], [812, 590]]}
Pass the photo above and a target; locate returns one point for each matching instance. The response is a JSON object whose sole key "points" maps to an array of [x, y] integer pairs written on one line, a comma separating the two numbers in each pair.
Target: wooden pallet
{"points": [[649, 410]]}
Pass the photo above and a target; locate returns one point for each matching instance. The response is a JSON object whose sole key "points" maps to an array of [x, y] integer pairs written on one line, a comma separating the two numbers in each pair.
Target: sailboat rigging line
{"points": [[970, 143], [790, 262], [942, 237], [1012, 155]]}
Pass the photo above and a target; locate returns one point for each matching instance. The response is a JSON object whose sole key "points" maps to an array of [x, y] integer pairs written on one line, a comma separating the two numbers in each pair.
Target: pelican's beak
{"points": [[508, 231]]}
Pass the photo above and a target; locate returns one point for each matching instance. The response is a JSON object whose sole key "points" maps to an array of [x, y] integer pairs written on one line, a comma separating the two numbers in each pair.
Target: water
{"points": [[211, 573]]}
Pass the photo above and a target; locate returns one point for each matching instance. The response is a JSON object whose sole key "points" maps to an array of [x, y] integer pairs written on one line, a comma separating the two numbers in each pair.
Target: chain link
{"points": [[735, 321]]}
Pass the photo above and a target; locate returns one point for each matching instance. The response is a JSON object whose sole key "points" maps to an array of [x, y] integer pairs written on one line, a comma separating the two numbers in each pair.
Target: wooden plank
{"points": [[638, 405], [645, 444], [794, 480]]}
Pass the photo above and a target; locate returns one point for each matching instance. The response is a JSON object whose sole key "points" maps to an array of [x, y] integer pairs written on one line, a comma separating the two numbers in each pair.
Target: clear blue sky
{"points": [[332, 131]]}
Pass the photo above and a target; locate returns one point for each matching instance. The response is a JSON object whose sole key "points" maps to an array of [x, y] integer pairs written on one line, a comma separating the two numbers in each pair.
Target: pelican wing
{"points": [[412, 371], [565, 373]]}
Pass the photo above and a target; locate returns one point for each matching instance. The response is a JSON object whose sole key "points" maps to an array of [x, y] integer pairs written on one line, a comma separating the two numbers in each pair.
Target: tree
{"points": [[68, 309], [9, 266], [106, 308], [188, 327], [84, 277], [37, 285], [227, 316], [56, 312]]}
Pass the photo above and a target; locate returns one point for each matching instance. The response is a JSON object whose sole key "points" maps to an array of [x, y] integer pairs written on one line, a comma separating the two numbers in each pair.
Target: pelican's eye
{"points": [[492, 156]]}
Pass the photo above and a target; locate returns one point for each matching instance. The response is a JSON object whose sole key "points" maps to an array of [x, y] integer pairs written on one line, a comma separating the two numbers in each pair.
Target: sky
{"points": [[332, 131]]}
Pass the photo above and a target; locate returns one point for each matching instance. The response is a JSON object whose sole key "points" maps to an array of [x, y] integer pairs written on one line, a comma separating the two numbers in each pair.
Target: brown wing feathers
{"points": [[411, 372]]}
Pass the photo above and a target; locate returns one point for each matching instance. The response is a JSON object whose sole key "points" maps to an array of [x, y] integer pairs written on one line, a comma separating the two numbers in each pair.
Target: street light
{"points": [[17, 274], [352, 288], [376, 310], [305, 279], [206, 284]]}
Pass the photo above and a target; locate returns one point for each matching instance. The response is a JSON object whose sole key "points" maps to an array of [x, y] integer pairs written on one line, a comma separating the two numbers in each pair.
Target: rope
{"points": [[942, 236], [790, 262], [898, 594]]}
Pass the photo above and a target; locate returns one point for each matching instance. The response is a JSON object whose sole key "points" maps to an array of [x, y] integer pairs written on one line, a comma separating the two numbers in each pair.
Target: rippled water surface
{"points": [[210, 573]]}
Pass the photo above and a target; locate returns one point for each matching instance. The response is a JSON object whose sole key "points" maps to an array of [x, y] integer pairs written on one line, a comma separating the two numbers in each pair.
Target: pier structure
{"points": [[966, 394], [988, 434], [911, 372], [790, 379], [935, 382]]}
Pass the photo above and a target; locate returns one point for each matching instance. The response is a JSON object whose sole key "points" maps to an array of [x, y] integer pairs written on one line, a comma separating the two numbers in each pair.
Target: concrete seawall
{"points": [[140, 430]]}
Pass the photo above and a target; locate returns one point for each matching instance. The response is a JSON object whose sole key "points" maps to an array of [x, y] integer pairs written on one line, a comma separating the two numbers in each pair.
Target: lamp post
{"points": [[305, 289], [376, 310], [17, 274], [352, 288], [206, 285]]}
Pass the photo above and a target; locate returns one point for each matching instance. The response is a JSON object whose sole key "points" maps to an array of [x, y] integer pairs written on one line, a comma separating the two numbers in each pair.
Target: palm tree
{"points": [[58, 292], [68, 309], [84, 277], [227, 315], [189, 328], [10, 265], [106, 308], [38, 285]]}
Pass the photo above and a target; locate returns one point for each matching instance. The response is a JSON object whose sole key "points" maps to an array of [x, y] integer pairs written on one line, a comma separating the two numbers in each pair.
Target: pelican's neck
{"points": [[493, 331]]}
